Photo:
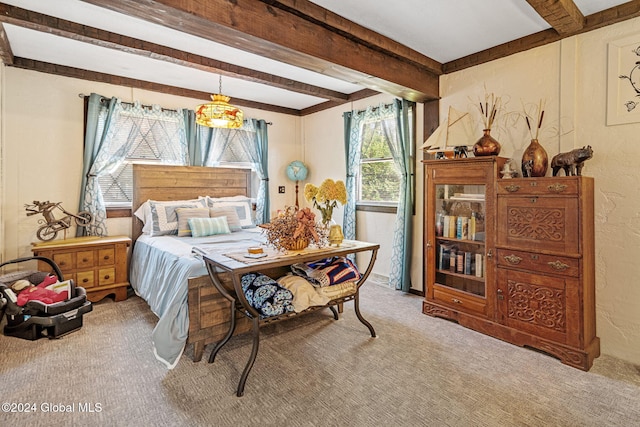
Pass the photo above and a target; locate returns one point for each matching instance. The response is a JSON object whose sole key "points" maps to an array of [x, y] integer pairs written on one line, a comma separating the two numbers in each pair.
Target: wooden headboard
{"points": [[162, 182]]}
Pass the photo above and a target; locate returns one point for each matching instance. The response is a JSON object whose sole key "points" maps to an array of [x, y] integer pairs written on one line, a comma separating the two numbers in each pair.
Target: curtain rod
{"points": [[103, 99], [373, 108]]}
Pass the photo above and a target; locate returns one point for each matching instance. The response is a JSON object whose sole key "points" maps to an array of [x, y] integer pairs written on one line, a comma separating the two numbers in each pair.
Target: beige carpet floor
{"points": [[310, 371]]}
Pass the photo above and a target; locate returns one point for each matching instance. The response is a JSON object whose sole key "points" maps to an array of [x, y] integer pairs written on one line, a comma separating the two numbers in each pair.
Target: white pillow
{"points": [[241, 204], [143, 213], [164, 218]]}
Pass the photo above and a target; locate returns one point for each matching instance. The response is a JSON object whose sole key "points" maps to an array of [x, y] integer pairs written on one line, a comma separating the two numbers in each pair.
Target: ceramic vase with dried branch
{"points": [[535, 161], [487, 145]]}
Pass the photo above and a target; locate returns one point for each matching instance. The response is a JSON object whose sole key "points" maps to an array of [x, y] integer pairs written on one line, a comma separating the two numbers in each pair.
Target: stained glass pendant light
{"points": [[218, 113]]}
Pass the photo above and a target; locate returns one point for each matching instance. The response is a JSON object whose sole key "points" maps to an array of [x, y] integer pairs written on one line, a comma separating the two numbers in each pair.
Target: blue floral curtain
{"points": [[394, 120], [399, 136], [100, 113], [255, 142], [119, 126], [352, 143]]}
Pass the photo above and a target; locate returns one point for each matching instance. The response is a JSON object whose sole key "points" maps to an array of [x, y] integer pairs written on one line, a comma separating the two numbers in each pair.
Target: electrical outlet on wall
{"points": [[281, 189]]}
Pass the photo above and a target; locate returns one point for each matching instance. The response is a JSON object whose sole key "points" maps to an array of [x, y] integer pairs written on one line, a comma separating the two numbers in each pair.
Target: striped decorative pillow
{"points": [[201, 227]]}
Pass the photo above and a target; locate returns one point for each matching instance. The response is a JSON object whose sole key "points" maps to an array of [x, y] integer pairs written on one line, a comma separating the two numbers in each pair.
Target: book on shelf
{"points": [[445, 226], [467, 262], [479, 265], [452, 226], [460, 262]]}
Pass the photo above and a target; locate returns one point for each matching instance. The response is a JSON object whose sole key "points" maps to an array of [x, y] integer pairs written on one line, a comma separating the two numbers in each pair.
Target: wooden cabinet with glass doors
{"points": [[459, 236]]}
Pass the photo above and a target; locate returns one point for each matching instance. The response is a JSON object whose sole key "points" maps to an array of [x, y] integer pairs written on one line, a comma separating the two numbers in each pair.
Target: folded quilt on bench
{"points": [[327, 272]]}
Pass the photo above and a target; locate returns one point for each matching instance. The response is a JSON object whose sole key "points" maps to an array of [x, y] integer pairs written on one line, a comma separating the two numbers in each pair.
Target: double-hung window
{"points": [[378, 181]]}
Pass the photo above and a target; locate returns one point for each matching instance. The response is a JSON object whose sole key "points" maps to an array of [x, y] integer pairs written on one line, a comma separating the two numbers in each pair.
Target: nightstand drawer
{"points": [[106, 256], [84, 259], [106, 276], [85, 279], [66, 261]]}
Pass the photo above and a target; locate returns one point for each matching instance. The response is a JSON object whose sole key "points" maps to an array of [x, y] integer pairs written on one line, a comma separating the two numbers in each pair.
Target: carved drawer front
{"points": [[539, 187], [106, 276], [106, 256], [453, 174], [539, 263], [84, 259], [545, 306], [85, 279], [459, 300], [66, 261], [539, 223]]}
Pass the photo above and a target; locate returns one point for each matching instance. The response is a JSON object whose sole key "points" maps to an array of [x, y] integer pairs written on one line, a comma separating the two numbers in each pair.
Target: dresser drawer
{"points": [[106, 276], [65, 261], [84, 259], [459, 300], [85, 279], [564, 186], [106, 256], [550, 264]]}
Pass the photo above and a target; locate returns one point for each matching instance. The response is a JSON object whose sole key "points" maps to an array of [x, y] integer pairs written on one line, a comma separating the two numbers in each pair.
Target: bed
{"points": [[165, 273]]}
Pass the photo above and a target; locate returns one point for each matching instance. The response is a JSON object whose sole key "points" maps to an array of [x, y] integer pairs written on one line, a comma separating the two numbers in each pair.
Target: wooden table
{"points": [[229, 285]]}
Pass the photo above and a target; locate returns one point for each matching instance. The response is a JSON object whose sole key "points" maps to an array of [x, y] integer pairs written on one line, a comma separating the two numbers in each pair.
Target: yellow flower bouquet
{"points": [[326, 197]]}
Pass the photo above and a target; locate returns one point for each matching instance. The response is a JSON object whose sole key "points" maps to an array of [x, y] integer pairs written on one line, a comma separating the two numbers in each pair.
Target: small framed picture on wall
{"points": [[623, 80]]}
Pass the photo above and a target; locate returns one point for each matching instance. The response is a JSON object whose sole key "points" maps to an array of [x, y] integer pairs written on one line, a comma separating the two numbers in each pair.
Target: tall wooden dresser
{"points": [[98, 264], [546, 265], [533, 280]]}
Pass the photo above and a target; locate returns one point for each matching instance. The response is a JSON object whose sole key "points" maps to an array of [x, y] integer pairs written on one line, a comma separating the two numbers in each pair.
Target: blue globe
{"points": [[297, 171]]}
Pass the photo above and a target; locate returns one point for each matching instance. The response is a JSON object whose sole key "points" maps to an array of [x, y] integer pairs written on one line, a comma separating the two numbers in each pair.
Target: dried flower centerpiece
{"points": [[294, 229], [326, 197]]}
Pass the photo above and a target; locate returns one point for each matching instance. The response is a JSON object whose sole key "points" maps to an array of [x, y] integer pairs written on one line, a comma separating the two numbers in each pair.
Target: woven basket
{"points": [[298, 244]]}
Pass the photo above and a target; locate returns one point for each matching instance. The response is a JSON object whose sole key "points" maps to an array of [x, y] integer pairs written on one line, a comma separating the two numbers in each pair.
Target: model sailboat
{"points": [[455, 131]]}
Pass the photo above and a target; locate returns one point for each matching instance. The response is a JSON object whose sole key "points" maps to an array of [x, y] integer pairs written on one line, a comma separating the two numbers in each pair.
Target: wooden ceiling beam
{"points": [[594, 21], [61, 70], [273, 30], [563, 15], [86, 34], [6, 54]]}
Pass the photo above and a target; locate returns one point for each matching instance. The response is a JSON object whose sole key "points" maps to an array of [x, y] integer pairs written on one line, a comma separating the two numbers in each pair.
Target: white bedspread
{"points": [[159, 269]]}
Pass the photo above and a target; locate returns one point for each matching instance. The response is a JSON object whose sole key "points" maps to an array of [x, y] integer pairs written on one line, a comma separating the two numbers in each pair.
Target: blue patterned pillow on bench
{"points": [[266, 295]]}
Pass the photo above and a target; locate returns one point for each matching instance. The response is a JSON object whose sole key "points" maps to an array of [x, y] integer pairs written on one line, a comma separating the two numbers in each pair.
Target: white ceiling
{"points": [[443, 30]]}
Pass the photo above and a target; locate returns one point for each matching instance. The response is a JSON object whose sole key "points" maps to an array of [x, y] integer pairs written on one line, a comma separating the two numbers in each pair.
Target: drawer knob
{"points": [[106, 257], [512, 259], [557, 188], [512, 188], [84, 260], [456, 300], [106, 276], [85, 280], [558, 265]]}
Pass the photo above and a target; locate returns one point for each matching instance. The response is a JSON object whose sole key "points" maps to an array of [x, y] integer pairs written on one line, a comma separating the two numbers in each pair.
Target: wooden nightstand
{"points": [[98, 264]]}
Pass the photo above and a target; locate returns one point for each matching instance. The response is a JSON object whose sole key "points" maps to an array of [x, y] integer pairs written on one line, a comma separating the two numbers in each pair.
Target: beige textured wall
{"points": [[42, 146], [572, 76]]}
